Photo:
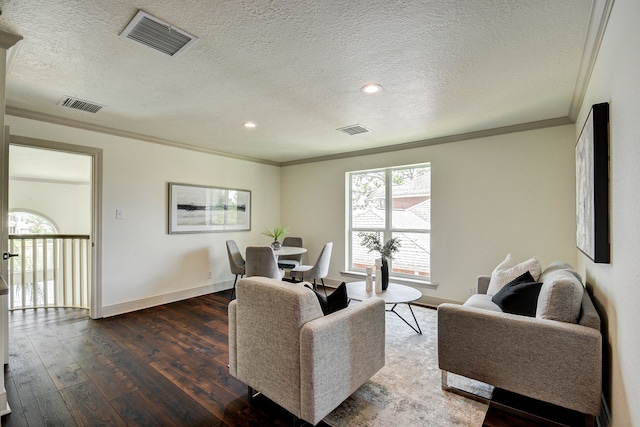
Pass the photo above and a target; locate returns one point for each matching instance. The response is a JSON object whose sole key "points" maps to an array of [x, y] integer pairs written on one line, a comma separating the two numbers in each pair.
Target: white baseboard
{"points": [[141, 304], [129, 306], [434, 302]]}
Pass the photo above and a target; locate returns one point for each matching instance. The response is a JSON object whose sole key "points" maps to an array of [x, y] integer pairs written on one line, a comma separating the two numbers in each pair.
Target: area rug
{"points": [[407, 392]]}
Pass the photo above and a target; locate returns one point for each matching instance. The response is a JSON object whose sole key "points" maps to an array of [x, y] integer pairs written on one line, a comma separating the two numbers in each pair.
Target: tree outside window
{"points": [[29, 223]]}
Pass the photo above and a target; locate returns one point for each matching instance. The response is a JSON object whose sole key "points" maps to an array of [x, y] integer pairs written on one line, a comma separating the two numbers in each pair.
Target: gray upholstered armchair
{"points": [[281, 345]]}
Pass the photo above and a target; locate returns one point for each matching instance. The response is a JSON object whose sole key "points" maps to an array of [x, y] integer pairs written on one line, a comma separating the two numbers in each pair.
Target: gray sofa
{"points": [[555, 356], [281, 345]]}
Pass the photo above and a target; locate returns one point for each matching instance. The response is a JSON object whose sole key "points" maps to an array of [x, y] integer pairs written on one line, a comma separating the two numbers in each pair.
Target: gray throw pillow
{"points": [[560, 297]]}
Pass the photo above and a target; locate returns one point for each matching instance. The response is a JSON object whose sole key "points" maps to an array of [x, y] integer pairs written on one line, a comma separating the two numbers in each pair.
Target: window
{"points": [[393, 202], [30, 223]]}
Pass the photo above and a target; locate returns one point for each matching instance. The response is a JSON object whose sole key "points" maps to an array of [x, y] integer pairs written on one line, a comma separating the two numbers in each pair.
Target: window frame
{"points": [[388, 230], [52, 223]]}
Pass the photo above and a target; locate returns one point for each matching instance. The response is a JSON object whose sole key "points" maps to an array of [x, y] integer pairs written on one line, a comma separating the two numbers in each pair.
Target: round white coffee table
{"points": [[395, 294]]}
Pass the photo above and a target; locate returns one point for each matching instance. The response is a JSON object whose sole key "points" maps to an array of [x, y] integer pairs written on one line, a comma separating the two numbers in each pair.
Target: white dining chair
{"points": [[319, 270]]}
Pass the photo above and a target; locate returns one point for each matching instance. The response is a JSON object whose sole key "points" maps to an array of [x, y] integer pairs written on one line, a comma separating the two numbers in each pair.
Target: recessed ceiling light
{"points": [[250, 125], [371, 88]]}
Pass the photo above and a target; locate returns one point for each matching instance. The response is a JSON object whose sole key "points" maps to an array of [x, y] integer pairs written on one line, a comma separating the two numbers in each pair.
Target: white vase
{"points": [[378, 275], [369, 282]]}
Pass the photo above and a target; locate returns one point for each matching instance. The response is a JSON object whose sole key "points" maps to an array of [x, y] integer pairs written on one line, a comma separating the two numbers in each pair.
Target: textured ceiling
{"points": [[447, 67], [28, 163]]}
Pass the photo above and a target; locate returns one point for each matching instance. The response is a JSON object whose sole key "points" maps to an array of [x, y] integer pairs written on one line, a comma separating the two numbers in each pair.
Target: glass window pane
{"points": [[411, 196], [368, 200], [360, 256], [29, 223], [413, 258]]}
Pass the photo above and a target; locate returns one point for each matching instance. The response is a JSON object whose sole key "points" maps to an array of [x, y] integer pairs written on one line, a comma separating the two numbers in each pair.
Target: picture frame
{"points": [[592, 185], [204, 209]]}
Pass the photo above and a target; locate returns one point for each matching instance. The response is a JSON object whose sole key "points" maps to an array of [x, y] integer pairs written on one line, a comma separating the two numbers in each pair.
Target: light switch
{"points": [[119, 214]]}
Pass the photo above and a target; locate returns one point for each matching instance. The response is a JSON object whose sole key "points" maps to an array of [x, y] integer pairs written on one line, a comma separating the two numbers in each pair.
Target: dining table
{"points": [[289, 250], [284, 250]]}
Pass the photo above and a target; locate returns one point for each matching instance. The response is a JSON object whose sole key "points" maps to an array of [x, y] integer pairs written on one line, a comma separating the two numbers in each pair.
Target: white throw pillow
{"points": [[508, 262], [510, 269]]}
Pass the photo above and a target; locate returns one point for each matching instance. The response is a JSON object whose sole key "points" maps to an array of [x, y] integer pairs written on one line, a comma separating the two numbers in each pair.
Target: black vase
{"points": [[385, 274]]}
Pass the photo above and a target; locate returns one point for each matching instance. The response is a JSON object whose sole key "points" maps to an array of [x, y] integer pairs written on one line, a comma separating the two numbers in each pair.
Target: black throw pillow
{"points": [[520, 296], [336, 300]]}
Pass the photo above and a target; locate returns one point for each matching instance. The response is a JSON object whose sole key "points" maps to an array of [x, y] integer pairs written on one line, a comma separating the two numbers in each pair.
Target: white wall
{"points": [[67, 205], [490, 196], [142, 264], [616, 286], [511, 193]]}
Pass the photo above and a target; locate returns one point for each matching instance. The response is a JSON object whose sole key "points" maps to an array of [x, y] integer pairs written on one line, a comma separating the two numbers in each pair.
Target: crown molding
{"points": [[541, 124], [49, 118], [600, 12], [49, 181], [8, 39]]}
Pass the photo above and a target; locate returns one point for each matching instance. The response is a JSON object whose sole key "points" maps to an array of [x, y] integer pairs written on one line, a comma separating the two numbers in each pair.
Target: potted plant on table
{"points": [[373, 242], [276, 233]]}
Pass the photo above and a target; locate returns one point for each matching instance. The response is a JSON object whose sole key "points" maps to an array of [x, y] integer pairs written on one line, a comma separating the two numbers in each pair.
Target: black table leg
{"points": [[393, 310]]}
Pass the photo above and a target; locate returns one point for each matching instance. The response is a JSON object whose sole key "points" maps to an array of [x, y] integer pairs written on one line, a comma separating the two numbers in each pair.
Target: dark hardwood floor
{"points": [[164, 366], [511, 409]]}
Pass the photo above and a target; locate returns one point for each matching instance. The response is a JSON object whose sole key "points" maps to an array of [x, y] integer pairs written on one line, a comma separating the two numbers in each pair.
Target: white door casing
{"points": [[7, 40], [95, 306]]}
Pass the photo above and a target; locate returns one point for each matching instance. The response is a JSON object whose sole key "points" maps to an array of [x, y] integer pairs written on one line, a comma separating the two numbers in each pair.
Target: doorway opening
{"points": [[53, 225]]}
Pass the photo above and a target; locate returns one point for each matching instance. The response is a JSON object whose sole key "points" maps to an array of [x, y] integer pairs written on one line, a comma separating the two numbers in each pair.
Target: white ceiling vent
{"points": [[157, 34], [354, 129], [79, 104]]}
